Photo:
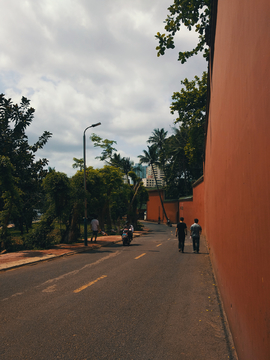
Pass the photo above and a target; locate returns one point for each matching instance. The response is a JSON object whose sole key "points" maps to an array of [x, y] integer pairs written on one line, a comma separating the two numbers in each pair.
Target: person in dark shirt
{"points": [[181, 232]]}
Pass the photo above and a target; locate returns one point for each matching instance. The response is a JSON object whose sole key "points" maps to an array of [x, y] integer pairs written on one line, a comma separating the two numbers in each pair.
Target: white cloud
{"points": [[85, 61]]}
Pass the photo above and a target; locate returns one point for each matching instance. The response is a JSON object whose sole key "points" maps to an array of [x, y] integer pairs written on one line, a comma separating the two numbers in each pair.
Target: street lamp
{"points": [[84, 171]]}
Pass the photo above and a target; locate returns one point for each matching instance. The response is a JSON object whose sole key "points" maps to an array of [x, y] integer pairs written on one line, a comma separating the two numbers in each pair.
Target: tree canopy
{"points": [[158, 139], [106, 146], [22, 174], [190, 104], [107, 195], [126, 166], [181, 166], [194, 15]]}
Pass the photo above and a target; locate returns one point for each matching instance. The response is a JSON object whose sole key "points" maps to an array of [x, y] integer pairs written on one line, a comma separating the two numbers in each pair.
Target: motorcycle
{"points": [[126, 237]]}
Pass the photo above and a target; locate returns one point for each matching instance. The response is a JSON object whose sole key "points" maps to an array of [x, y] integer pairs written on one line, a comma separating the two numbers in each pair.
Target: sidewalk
{"points": [[20, 258]]}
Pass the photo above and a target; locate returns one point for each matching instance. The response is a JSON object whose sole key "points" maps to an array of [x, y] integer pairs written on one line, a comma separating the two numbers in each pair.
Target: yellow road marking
{"points": [[89, 284], [159, 245], [140, 256]]}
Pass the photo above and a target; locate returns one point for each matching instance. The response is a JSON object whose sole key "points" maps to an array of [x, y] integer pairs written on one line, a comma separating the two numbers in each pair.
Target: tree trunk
{"points": [[159, 193], [74, 230]]}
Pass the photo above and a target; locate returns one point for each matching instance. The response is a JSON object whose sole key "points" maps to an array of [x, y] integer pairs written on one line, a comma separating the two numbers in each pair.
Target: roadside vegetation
{"points": [[45, 206]]}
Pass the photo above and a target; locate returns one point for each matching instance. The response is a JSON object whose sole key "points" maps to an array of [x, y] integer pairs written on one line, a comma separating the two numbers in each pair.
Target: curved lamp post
{"points": [[84, 172]]}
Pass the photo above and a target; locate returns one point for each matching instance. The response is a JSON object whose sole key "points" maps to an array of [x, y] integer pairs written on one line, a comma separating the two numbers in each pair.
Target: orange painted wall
{"points": [[171, 208], [237, 172], [154, 208], [198, 200], [190, 210], [186, 211], [175, 209]]}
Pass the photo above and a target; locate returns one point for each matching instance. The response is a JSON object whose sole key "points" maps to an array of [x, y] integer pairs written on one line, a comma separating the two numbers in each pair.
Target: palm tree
{"points": [[78, 163], [115, 161], [150, 157], [179, 161], [127, 166], [158, 138]]}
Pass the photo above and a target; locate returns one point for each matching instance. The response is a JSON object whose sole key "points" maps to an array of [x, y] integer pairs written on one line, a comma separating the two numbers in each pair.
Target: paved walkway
{"points": [[20, 258]]}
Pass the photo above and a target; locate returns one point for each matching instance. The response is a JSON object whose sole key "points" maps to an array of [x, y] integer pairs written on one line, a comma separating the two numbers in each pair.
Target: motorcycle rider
{"points": [[130, 230]]}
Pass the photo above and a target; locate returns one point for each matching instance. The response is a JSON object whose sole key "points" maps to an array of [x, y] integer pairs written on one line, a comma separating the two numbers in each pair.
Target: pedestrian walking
{"points": [[181, 232], [195, 232], [132, 231], [95, 227]]}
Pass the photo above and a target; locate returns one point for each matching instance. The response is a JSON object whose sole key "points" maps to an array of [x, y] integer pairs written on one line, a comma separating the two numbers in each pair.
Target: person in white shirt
{"points": [[195, 232], [132, 230], [95, 227]]}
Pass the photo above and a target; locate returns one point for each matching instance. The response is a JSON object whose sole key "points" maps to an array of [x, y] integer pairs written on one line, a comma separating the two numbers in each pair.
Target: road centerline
{"points": [[136, 258], [75, 272], [89, 284]]}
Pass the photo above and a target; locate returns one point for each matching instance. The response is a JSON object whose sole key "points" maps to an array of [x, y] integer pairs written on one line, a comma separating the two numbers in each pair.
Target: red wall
{"points": [[189, 209], [171, 208], [154, 208], [186, 211], [198, 200], [237, 172]]}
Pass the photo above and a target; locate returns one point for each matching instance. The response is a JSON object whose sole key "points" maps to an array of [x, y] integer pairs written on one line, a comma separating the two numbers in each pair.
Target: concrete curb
{"points": [[34, 260]]}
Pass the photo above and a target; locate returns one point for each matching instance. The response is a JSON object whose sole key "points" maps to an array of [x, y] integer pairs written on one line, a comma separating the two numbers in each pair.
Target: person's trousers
{"points": [[196, 243], [181, 242]]}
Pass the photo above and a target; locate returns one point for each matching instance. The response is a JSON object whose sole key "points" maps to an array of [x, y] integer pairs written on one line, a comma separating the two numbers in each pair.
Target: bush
{"points": [[5, 242], [42, 237]]}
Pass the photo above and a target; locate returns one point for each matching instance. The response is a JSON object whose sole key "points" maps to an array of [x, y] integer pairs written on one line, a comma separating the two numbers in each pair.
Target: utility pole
{"points": [[84, 171]]}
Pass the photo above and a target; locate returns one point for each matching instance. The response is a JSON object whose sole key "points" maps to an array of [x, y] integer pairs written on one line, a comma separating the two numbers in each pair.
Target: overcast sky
{"points": [[86, 61]]}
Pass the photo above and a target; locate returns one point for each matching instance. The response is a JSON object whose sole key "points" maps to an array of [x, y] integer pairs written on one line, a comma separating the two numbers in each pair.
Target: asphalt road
{"points": [[146, 301]]}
